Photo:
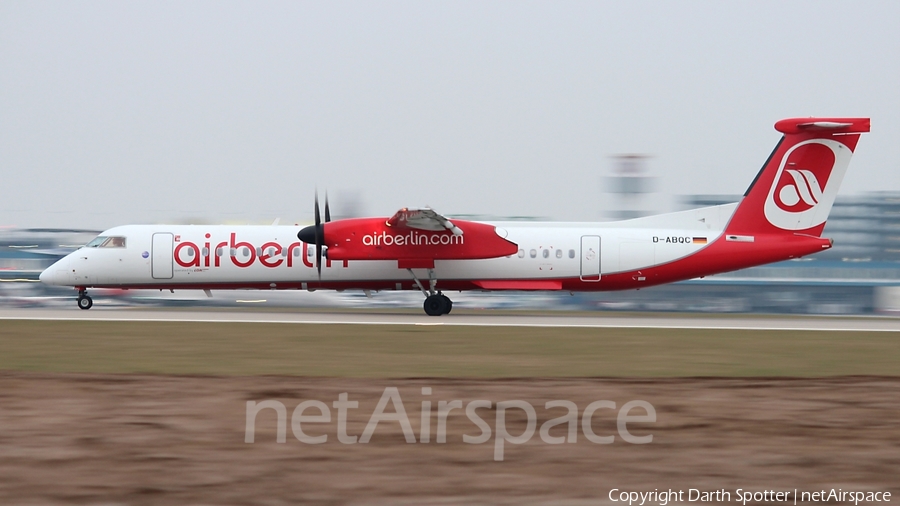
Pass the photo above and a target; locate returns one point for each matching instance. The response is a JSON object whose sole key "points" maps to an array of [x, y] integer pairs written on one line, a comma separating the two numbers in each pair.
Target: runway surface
{"points": [[562, 320]]}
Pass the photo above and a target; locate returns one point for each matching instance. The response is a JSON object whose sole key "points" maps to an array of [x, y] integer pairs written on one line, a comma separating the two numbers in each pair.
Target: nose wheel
{"points": [[84, 301]]}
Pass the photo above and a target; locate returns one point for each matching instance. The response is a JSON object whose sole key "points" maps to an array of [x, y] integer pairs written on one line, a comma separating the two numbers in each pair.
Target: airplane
{"points": [[781, 216]]}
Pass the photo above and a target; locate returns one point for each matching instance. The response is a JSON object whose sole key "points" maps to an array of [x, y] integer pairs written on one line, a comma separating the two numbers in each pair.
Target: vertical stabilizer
{"points": [[795, 189]]}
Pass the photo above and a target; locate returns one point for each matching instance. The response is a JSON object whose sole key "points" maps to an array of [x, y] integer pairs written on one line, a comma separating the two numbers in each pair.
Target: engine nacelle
{"points": [[376, 239]]}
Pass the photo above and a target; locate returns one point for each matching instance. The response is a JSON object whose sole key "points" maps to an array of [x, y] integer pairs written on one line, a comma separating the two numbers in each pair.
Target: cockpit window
{"points": [[114, 242], [107, 242], [96, 242]]}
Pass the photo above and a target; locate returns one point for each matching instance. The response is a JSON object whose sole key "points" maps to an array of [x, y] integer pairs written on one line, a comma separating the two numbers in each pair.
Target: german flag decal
{"points": [[699, 240]]}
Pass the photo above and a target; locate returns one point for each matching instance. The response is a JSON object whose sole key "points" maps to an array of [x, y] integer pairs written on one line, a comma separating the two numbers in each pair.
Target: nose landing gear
{"points": [[84, 301]]}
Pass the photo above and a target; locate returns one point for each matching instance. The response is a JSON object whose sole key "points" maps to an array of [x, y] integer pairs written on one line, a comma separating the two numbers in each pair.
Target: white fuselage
{"points": [[222, 256]]}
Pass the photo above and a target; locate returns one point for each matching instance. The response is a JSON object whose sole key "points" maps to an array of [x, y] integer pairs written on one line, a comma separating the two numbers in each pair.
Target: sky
{"points": [[222, 112]]}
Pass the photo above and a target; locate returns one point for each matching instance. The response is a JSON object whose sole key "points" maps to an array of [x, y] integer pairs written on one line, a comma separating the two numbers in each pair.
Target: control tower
{"points": [[630, 190]]}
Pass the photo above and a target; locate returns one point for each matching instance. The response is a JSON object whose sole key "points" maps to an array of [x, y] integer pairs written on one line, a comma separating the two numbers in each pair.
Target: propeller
{"points": [[315, 234], [320, 236]]}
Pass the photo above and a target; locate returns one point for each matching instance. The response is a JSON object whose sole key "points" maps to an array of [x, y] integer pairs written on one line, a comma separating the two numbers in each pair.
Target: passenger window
{"points": [[218, 252], [521, 253], [533, 253], [571, 253], [559, 253], [245, 251], [205, 252], [546, 253], [296, 252]]}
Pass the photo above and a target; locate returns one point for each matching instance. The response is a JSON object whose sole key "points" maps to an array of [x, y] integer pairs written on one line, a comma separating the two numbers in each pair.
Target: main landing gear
{"points": [[436, 303], [84, 301]]}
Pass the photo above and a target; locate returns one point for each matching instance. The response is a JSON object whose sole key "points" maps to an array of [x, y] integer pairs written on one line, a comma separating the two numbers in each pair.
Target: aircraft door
{"points": [[590, 258], [162, 261]]}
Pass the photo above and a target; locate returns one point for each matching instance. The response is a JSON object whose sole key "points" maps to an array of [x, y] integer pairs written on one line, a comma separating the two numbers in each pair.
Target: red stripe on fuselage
{"points": [[720, 256]]}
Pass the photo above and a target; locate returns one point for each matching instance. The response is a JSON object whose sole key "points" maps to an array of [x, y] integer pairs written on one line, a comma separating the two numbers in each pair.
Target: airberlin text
{"points": [[241, 253], [411, 239]]}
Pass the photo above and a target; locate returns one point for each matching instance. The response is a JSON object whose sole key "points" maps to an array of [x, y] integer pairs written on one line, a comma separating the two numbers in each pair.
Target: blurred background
{"points": [[233, 112]]}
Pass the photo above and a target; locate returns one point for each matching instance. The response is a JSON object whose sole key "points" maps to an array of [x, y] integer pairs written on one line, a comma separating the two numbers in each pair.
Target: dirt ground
{"points": [[155, 439]]}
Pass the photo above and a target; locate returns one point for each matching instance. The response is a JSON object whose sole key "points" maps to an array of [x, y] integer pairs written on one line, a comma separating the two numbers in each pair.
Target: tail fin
{"points": [[795, 189]]}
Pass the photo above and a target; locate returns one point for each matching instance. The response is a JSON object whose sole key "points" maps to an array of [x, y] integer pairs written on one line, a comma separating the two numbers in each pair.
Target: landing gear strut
{"points": [[84, 301], [436, 303]]}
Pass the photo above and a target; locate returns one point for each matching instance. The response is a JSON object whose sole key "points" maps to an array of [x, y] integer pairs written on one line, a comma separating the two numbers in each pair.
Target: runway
{"points": [[482, 319]]}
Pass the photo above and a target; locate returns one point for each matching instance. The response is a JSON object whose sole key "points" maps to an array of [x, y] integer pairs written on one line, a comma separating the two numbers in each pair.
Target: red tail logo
{"points": [[796, 187], [805, 175], [801, 184]]}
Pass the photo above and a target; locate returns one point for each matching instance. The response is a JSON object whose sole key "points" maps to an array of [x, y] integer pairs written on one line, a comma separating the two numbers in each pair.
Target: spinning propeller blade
{"points": [[315, 234], [320, 232]]}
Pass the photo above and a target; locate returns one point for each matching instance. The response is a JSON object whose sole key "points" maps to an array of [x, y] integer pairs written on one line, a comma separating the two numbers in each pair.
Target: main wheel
{"points": [[85, 302], [435, 305], [448, 304]]}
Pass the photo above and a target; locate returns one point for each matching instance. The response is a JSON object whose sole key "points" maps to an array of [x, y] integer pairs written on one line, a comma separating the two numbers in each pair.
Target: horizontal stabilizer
{"points": [[830, 125]]}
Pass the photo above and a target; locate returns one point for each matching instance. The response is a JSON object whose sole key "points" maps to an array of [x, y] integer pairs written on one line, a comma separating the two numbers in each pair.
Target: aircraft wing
{"points": [[422, 219]]}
